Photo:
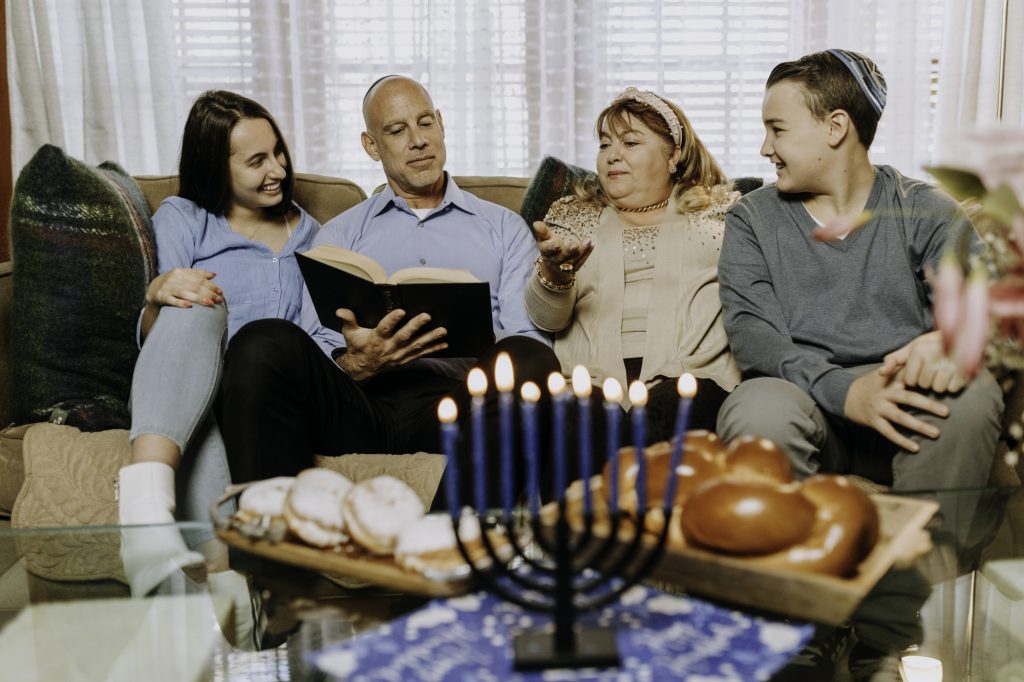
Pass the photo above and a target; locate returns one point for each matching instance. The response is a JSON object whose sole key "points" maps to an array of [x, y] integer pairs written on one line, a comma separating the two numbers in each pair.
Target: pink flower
{"points": [[947, 285], [841, 226], [975, 324]]}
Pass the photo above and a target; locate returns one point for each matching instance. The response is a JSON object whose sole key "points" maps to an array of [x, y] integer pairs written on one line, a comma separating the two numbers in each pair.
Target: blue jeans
{"points": [[174, 387]]}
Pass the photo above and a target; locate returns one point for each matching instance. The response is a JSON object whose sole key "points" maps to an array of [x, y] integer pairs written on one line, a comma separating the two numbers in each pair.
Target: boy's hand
{"points": [[923, 364], [876, 401], [391, 343]]}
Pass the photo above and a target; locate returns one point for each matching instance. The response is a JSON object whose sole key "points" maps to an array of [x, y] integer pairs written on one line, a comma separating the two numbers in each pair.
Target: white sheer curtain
{"points": [[515, 79], [96, 78], [982, 66]]}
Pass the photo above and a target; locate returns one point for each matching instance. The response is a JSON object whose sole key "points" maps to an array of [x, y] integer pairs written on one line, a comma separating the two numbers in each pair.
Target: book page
{"points": [[349, 261], [432, 276]]}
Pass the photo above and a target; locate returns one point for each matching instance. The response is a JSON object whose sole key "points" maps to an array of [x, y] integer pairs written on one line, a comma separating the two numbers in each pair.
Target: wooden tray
{"points": [[381, 571], [809, 596], [817, 597]]}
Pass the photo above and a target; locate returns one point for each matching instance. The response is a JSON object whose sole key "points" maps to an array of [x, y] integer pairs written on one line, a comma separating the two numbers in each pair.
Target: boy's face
{"points": [[794, 140]]}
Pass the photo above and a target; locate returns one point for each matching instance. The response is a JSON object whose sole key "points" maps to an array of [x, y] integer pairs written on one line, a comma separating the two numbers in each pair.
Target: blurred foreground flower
{"points": [[979, 299]]}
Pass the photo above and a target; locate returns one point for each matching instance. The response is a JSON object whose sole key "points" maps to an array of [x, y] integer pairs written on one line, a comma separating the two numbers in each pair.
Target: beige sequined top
{"points": [[683, 331]]}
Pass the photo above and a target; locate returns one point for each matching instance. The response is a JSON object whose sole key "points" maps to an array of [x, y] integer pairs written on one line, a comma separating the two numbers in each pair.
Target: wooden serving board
{"points": [[358, 566], [811, 596]]}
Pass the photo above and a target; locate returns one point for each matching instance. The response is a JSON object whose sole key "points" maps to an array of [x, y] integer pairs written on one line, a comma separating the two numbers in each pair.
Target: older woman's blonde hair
{"points": [[695, 174]]}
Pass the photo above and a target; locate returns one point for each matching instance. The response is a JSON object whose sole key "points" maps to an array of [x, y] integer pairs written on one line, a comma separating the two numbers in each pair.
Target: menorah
{"points": [[558, 567]]}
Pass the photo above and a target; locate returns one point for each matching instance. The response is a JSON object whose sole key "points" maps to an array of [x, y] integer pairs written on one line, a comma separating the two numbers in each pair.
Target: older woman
{"points": [[649, 230]]}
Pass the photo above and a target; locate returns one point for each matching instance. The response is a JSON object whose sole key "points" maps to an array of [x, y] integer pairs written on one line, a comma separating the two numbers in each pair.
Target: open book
{"points": [[455, 299]]}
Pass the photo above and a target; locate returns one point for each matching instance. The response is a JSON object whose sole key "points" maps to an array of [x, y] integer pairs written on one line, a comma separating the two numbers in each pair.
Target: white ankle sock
{"points": [[150, 553]]}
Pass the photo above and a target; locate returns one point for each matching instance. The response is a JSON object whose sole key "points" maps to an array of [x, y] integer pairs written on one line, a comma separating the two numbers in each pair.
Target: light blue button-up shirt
{"points": [[257, 283], [464, 231]]}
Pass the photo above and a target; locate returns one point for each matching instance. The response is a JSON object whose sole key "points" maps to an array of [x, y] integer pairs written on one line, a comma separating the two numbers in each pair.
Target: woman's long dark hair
{"points": [[204, 169]]}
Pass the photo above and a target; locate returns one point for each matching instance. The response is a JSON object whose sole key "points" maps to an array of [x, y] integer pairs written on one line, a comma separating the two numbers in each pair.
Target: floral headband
{"points": [[658, 104]]}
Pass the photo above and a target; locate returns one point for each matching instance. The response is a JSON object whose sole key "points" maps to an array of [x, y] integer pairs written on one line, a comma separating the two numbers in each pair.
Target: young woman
{"points": [[226, 249]]}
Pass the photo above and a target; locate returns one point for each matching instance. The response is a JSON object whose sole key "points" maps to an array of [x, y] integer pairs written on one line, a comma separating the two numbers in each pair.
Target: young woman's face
{"points": [[257, 163], [635, 164], [794, 140]]}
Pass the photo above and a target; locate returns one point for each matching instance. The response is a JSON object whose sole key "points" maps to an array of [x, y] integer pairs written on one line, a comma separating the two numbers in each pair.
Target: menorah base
{"points": [[593, 649]]}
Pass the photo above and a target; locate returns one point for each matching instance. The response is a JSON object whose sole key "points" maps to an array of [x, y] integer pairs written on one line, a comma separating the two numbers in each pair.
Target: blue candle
{"points": [[612, 397], [581, 387], [531, 394], [638, 397], [687, 387], [504, 381], [447, 412], [556, 387], [477, 388]]}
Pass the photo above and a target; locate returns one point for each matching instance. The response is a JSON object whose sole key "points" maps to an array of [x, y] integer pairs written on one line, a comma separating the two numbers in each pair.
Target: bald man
{"points": [[291, 392]]}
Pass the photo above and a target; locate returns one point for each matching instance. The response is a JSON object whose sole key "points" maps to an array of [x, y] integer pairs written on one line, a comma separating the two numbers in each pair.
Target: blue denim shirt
{"points": [[464, 231], [257, 283]]}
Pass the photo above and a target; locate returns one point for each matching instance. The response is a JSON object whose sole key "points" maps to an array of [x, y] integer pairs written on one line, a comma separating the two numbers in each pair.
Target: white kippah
{"points": [[658, 104]]}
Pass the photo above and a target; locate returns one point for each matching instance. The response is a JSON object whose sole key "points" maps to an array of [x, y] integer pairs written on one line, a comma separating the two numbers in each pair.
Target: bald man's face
{"points": [[405, 133]]}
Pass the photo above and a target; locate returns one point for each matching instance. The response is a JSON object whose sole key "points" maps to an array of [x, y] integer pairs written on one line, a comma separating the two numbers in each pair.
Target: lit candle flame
{"points": [[638, 393], [477, 382], [504, 379], [581, 381], [556, 383], [530, 392], [612, 390], [687, 386], [447, 411]]}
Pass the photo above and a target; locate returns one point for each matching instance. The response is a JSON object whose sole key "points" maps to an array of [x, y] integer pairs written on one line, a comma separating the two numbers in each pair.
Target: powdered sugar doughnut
{"points": [[428, 546], [265, 498], [378, 509], [313, 507]]}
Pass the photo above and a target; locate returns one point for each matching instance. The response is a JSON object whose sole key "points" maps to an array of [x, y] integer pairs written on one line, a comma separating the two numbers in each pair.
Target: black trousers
{"points": [[284, 400]]}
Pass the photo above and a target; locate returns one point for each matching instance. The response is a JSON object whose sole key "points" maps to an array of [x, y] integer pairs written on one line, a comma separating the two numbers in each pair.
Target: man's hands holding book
{"points": [[390, 344]]}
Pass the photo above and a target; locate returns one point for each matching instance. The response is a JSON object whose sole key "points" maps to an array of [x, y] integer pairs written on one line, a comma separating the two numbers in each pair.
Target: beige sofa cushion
{"points": [[69, 481]]}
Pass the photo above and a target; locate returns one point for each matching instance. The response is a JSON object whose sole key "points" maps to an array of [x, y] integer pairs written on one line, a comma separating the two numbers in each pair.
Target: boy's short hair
{"points": [[829, 85]]}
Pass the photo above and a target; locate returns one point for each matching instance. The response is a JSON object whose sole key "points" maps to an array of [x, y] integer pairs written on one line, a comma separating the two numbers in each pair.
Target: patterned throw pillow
{"points": [[553, 180], [83, 254]]}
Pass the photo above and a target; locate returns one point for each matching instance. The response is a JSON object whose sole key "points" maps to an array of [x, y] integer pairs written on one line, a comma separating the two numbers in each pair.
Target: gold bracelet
{"points": [[553, 286]]}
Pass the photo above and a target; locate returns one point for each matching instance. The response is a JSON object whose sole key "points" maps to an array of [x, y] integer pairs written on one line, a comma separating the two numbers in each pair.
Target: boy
{"points": [[850, 375]]}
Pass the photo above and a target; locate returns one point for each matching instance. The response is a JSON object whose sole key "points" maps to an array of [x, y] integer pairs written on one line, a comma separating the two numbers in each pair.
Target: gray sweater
{"points": [[805, 310]]}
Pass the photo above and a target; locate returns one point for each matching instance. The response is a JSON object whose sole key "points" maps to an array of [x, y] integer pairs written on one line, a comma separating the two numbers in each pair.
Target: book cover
{"points": [[463, 308]]}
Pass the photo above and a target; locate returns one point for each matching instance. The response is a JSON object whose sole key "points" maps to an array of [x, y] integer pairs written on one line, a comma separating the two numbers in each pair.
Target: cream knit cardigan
{"points": [[685, 332]]}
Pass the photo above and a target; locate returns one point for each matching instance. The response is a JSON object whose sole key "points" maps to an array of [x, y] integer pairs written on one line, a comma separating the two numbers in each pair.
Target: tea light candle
{"points": [[504, 381], [920, 669], [447, 413], [581, 387], [530, 394], [556, 387], [687, 388], [612, 390], [638, 396], [477, 382]]}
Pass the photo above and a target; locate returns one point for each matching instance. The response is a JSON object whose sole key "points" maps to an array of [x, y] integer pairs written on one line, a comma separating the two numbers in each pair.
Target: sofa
{"points": [[323, 197]]}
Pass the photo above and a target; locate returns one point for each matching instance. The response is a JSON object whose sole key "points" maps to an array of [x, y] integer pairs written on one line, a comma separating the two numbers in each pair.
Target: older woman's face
{"points": [[635, 164]]}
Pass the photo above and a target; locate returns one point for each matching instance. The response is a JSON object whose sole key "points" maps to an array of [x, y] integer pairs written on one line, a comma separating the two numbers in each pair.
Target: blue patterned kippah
{"points": [[867, 75]]}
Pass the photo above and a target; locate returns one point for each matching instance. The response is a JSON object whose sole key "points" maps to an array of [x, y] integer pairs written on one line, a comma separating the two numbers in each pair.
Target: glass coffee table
{"points": [[63, 615]]}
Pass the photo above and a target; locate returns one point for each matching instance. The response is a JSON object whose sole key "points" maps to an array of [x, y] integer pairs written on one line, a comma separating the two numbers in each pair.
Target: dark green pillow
{"points": [[83, 253], [553, 180]]}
